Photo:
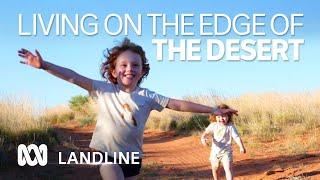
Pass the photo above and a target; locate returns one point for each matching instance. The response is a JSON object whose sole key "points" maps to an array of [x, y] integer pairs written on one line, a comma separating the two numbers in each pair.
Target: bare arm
{"points": [[240, 144], [204, 138], [186, 106], [69, 75]]}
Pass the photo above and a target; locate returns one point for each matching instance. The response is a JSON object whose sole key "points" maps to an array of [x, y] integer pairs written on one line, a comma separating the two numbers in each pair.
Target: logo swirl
{"points": [[41, 155]]}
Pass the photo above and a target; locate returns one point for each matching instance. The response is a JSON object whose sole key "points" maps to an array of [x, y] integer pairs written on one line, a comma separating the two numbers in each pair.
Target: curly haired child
{"points": [[124, 106], [220, 132]]}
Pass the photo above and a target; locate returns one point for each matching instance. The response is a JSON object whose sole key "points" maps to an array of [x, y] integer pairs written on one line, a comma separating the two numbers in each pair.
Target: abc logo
{"points": [[41, 155]]}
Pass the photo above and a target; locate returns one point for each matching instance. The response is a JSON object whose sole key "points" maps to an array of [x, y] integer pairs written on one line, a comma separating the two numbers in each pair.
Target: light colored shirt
{"points": [[122, 117], [221, 137]]}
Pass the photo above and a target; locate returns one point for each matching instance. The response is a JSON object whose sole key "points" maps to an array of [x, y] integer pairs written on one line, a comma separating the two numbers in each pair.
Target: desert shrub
{"points": [[165, 124], [19, 123], [79, 103], [87, 120], [264, 116], [84, 109], [60, 117], [194, 123]]}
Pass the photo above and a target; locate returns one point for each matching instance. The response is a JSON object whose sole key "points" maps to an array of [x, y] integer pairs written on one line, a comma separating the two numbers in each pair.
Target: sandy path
{"points": [[174, 157], [184, 157], [167, 155]]}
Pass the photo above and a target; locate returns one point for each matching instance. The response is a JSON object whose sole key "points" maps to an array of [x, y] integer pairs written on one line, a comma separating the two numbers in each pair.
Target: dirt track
{"points": [[171, 156], [184, 157]]}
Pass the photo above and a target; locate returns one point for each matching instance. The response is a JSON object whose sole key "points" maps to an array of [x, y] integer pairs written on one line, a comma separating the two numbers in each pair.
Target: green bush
{"points": [[195, 123], [9, 141], [83, 108], [86, 121], [79, 103], [167, 124]]}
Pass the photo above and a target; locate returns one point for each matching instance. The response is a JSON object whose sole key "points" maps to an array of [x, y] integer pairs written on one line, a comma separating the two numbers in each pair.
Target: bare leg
{"points": [[227, 166], [215, 169], [111, 171], [215, 173]]}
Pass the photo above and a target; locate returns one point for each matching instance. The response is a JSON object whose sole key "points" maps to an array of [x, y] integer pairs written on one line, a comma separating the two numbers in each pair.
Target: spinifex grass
{"points": [[19, 123], [263, 116]]}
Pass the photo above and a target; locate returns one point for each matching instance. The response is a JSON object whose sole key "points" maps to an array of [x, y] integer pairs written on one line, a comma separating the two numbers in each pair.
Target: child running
{"points": [[124, 106], [221, 131]]}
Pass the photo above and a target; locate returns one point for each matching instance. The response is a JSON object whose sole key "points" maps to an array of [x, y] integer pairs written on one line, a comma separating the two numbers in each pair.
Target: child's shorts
{"points": [[128, 170], [222, 157]]}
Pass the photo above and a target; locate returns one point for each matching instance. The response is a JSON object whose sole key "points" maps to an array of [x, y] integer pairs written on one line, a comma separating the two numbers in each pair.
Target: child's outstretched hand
{"points": [[30, 59]]}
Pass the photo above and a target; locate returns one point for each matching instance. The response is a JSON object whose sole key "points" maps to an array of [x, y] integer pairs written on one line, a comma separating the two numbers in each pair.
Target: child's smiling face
{"points": [[128, 69], [223, 119]]}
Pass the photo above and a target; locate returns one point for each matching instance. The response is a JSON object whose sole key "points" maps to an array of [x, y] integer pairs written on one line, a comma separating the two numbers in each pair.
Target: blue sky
{"points": [[174, 79]]}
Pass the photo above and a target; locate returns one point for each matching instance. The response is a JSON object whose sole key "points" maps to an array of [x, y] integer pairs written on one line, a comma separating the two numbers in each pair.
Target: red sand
{"points": [[170, 156]]}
